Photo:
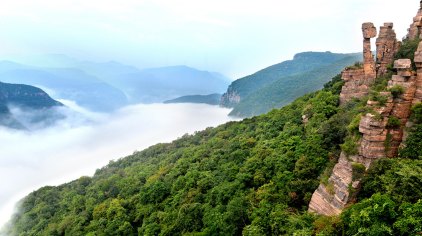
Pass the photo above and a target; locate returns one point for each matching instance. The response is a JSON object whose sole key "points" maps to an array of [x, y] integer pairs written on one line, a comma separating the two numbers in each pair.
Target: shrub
{"points": [[357, 65], [396, 91], [353, 127], [417, 113], [377, 97], [393, 122], [350, 146], [358, 171]]}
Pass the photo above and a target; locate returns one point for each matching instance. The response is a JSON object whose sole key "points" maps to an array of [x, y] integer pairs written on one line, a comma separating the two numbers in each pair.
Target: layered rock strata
{"points": [[414, 30], [387, 47], [380, 138], [358, 80]]}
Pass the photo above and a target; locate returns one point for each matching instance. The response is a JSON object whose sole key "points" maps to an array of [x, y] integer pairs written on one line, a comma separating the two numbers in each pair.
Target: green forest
{"points": [[252, 177], [280, 84]]}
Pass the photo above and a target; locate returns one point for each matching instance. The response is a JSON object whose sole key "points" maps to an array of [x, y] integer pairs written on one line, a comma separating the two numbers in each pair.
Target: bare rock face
{"points": [[414, 30], [356, 85], [230, 98], [358, 80], [379, 139], [386, 48], [418, 62], [369, 31], [331, 199], [384, 128]]}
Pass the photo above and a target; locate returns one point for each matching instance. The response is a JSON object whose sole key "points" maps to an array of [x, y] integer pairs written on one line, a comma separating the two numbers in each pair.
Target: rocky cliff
{"points": [[382, 130]]}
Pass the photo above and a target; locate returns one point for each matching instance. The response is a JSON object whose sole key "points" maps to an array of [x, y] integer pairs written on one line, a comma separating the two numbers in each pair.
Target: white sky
{"points": [[235, 37]]}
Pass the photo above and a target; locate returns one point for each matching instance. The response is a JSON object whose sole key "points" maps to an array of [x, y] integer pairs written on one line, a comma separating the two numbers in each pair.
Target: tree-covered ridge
{"points": [[250, 177], [280, 84], [24, 97]]}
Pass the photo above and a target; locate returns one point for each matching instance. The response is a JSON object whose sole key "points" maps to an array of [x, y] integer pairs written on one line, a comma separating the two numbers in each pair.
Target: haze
{"points": [[235, 37], [75, 147]]}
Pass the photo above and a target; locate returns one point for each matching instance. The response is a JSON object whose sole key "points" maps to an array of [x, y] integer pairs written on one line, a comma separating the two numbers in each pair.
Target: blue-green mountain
{"points": [[279, 84]]}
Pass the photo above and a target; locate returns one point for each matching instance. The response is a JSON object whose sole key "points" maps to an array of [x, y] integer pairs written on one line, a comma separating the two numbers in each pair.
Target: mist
{"points": [[83, 141]]}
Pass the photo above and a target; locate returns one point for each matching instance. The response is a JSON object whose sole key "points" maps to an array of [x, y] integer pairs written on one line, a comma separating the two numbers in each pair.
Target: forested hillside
{"points": [[253, 177], [25, 97], [280, 84]]}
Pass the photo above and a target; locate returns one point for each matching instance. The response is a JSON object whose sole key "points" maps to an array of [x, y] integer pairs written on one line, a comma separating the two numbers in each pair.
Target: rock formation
{"points": [[357, 80], [387, 47], [414, 30], [380, 138], [369, 31], [382, 130]]}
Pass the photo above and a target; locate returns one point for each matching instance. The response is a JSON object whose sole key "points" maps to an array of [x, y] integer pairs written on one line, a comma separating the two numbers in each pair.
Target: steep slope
{"points": [[286, 89], [301, 63], [211, 99]]}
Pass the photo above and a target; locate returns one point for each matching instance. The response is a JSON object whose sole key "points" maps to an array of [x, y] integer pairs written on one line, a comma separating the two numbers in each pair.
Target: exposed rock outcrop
{"points": [[357, 80], [382, 134], [387, 47], [414, 30], [230, 98]]}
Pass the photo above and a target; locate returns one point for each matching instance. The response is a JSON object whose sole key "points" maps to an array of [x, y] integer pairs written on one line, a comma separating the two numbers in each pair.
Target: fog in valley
{"points": [[83, 141]]}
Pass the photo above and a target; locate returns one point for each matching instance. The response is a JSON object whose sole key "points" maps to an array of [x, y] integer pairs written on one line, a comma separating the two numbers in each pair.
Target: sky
{"points": [[234, 37], [47, 157]]}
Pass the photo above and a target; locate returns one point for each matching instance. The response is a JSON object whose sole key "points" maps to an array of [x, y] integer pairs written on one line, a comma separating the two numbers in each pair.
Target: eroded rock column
{"points": [[387, 46], [414, 30], [357, 80], [369, 31]]}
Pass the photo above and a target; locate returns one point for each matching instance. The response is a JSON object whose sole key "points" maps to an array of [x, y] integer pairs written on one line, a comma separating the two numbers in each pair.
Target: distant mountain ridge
{"points": [[281, 83], [110, 85], [211, 99]]}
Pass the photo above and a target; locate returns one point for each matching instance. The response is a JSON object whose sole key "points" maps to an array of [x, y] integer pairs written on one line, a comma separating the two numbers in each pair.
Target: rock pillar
{"points": [[369, 31], [387, 46]]}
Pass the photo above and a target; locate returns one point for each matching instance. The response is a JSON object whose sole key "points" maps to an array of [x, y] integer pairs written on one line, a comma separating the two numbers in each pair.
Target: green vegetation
{"points": [[250, 177], [280, 84], [211, 99], [253, 177], [393, 122], [407, 51], [358, 171], [396, 91], [357, 65], [377, 97]]}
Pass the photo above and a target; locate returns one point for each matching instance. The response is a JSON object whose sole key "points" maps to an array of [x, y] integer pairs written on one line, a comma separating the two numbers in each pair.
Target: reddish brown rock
{"points": [[386, 48], [414, 30], [331, 199]]}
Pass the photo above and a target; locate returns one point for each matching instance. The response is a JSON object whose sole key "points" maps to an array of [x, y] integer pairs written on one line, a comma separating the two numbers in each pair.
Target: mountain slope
{"points": [[292, 73], [285, 90], [253, 177], [24, 97], [239, 178]]}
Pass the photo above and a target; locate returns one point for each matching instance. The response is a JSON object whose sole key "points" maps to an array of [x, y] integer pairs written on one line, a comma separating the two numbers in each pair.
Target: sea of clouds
{"points": [[83, 141]]}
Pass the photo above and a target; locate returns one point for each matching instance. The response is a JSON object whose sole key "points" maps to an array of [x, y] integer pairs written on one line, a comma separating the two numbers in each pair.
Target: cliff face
{"points": [[382, 130]]}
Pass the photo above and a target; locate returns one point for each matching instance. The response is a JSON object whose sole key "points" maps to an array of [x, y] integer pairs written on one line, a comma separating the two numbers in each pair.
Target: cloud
{"points": [[75, 147]]}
